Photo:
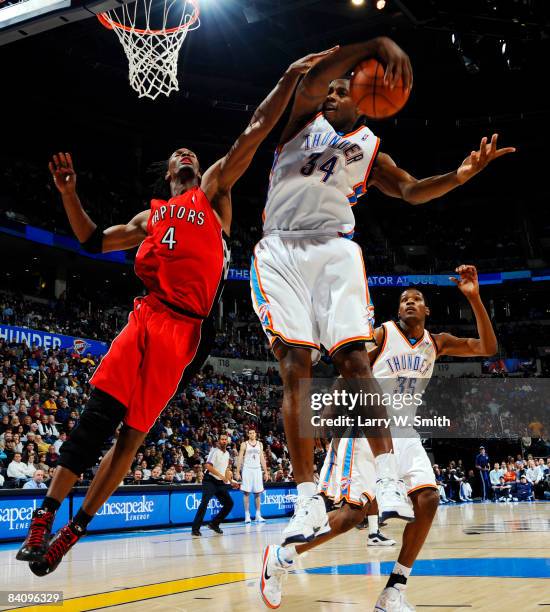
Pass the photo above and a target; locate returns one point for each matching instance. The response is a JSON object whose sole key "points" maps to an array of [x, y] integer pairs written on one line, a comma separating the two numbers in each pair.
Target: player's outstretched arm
{"points": [[486, 345], [312, 90], [220, 178], [90, 236], [396, 183], [240, 459]]}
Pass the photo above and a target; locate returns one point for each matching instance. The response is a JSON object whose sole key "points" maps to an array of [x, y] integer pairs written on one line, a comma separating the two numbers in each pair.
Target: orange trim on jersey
{"points": [[413, 346], [383, 346], [369, 301], [348, 341], [354, 502], [367, 173], [291, 342], [354, 131], [422, 486]]}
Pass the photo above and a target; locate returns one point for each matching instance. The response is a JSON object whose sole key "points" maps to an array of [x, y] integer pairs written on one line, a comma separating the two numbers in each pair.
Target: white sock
{"points": [[307, 489], [401, 570], [373, 524], [386, 466], [258, 515], [288, 554], [247, 515]]}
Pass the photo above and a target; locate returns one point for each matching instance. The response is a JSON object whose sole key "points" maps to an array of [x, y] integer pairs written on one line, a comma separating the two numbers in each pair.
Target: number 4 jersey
{"points": [[316, 177], [184, 258]]}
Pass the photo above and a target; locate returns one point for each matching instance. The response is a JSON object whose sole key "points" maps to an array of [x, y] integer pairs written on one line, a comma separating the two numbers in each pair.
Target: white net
{"points": [[152, 33]]}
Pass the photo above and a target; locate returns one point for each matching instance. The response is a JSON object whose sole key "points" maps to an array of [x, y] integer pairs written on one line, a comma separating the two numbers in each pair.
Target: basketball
{"points": [[370, 94]]}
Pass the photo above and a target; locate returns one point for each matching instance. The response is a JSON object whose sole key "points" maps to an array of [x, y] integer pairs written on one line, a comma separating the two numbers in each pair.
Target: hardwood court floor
{"points": [[478, 557]]}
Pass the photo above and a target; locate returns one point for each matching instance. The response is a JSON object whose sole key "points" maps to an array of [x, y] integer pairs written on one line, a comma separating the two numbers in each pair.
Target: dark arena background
{"points": [[480, 68]]}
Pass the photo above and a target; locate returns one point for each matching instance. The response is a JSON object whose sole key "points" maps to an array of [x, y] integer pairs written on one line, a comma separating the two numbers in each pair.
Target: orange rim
{"points": [[109, 23]]}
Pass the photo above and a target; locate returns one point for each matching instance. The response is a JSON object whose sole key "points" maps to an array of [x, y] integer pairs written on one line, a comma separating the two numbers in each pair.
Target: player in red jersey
{"points": [[182, 261]]}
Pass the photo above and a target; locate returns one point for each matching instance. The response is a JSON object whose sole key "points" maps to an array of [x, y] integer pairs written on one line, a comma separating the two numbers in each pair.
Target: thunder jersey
{"points": [[403, 367], [252, 455], [184, 258], [316, 177]]}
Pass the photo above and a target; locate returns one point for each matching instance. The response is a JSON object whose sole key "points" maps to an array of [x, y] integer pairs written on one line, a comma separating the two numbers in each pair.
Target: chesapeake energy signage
{"points": [[16, 514]]}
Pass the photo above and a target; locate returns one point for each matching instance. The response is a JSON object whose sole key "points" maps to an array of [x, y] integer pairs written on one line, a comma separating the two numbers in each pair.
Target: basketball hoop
{"points": [[152, 48]]}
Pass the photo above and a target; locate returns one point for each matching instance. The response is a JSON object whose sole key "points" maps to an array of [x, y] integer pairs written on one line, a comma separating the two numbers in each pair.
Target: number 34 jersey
{"points": [[316, 177], [184, 258]]}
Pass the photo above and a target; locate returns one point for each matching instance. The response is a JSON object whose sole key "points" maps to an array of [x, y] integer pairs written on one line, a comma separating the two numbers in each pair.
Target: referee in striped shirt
{"points": [[215, 483]]}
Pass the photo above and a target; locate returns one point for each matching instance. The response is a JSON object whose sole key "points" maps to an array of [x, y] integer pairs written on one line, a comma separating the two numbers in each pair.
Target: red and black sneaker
{"points": [[36, 543], [59, 546]]}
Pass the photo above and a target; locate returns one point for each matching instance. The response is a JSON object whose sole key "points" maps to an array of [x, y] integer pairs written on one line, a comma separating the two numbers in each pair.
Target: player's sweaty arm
{"points": [[312, 90], [486, 345], [220, 178], [397, 183], [115, 238]]}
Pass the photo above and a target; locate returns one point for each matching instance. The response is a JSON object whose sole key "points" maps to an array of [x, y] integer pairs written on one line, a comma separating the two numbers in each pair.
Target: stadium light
{"points": [[380, 4], [358, 2]]}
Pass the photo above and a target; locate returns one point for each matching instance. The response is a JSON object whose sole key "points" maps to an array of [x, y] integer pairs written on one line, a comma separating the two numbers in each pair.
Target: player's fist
{"points": [[62, 170], [468, 282]]}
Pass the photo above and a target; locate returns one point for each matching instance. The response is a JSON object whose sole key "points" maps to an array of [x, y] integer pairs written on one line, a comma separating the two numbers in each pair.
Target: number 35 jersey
{"points": [[184, 259], [315, 179], [404, 368]]}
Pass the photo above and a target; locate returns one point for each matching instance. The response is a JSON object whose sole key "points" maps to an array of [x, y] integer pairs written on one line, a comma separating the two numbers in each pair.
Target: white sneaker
{"points": [[379, 539], [393, 501], [273, 573], [260, 518], [392, 600], [247, 518], [310, 520]]}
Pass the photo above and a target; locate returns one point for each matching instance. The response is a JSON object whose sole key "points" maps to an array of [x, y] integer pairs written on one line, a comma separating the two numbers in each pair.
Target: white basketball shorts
{"points": [[252, 481], [355, 476], [312, 291], [328, 484]]}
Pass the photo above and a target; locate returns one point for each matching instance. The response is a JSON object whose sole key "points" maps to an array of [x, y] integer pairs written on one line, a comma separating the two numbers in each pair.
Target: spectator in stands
{"points": [[156, 475], [495, 475], [58, 443], [36, 482], [190, 477], [18, 470], [502, 490], [1, 481], [524, 490], [51, 456], [42, 465], [169, 476], [137, 478]]}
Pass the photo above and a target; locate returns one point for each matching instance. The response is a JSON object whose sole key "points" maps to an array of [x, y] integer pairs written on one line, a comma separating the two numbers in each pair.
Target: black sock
{"points": [[81, 520], [50, 504], [396, 579]]}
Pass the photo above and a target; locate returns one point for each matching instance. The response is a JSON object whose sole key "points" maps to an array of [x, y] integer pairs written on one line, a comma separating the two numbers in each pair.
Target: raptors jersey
{"points": [[184, 258], [402, 367], [315, 179], [252, 455]]}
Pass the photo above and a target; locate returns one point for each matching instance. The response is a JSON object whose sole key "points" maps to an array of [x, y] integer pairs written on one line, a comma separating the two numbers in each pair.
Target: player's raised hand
{"points": [[396, 61], [477, 160], [302, 65], [468, 282], [62, 170]]}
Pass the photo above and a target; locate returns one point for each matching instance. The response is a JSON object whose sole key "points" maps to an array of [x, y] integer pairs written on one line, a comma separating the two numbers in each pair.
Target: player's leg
{"points": [[98, 423], [342, 306], [278, 560], [376, 537], [283, 302], [259, 518], [112, 469], [246, 504], [392, 598]]}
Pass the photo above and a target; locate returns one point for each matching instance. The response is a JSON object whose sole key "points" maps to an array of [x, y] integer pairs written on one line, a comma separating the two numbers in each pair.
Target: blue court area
{"points": [[494, 567]]}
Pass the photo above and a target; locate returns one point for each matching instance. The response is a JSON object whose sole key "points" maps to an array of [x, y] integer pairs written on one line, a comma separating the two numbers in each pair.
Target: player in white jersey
{"points": [[403, 358], [251, 464], [309, 285]]}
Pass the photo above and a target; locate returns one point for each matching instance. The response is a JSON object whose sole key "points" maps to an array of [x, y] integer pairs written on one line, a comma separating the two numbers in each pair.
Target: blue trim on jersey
{"points": [[332, 463], [359, 191], [346, 471]]}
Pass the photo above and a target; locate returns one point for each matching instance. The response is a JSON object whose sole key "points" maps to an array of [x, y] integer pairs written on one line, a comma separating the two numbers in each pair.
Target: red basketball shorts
{"points": [[156, 351]]}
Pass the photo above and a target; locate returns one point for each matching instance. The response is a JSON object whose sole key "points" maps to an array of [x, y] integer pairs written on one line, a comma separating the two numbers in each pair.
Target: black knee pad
{"points": [[98, 423]]}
